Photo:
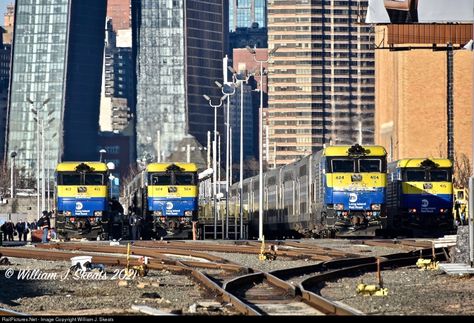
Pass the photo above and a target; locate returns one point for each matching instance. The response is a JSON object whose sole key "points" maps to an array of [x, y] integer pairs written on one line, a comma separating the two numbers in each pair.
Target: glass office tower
{"points": [[56, 78], [243, 13], [178, 49]]}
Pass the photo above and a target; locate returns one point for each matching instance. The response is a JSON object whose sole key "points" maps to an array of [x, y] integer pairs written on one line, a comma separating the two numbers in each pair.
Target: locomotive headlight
{"points": [[98, 213], [68, 213], [376, 207], [158, 213], [188, 213], [339, 206]]}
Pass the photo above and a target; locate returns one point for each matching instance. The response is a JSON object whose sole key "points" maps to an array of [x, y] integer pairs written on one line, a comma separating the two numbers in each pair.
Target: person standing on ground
{"points": [[3, 228], [10, 230], [135, 224], [44, 224], [20, 228]]}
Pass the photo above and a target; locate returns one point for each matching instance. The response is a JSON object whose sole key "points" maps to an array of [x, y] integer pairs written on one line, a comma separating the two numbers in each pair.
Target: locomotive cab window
{"points": [[370, 165], [94, 179], [440, 175], [81, 179], [159, 179], [342, 166], [69, 179], [415, 175], [184, 179], [172, 179]]}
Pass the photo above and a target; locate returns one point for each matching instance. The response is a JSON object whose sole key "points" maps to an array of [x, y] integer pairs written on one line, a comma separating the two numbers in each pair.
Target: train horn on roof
{"points": [[428, 163], [84, 168], [358, 150]]}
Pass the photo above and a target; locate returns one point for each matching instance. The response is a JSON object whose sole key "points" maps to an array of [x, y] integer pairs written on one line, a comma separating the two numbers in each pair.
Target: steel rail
{"points": [[220, 291], [323, 255], [134, 250], [348, 269], [98, 259]]}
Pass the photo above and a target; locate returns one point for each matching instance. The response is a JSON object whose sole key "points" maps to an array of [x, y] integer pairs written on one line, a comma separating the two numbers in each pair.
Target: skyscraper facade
{"points": [[5, 52], [8, 23], [178, 51], [56, 77], [243, 13], [321, 79], [244, 63]]}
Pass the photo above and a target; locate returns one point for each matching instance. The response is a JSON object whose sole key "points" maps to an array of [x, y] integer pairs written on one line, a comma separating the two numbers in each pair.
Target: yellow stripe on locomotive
{"points": [[421, 188], [72, 166], [163, 167], [78, 191], [418, 162], [367, 180], [178, 191], [340, 151]]}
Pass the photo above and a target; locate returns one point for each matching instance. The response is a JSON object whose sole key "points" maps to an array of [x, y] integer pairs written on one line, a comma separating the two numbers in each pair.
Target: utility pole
{"points": [[450, 102], [260, 139], [43, 183]]}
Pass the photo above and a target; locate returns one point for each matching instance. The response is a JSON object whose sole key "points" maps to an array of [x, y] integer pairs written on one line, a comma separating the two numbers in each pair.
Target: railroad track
{"points": [[251, 292], [285, 249]]}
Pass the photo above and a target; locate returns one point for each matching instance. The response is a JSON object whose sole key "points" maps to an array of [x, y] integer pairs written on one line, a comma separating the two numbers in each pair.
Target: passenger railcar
{"points": [[339, 188], [82, 199], [420, 194], [166, 196]]}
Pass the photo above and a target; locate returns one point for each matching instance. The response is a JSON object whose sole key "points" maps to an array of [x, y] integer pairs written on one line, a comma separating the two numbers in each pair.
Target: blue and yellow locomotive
{"points": [[82, 199], [353, 183], [337, 189], [167, 198], [420, 194]]}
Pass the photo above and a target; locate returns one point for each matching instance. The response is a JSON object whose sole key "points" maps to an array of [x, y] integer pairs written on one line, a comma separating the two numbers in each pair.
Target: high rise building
{"points": [[5, 52], [118, 93], [119, 12], [243, 13], [253, 37], [9, 22], [321, 79], [178, 50], [117, 82], [57, 65], [244, 63]]}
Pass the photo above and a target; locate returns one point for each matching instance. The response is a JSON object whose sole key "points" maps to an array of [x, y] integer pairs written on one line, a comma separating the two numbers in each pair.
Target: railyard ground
{"points": [[410, 291]]}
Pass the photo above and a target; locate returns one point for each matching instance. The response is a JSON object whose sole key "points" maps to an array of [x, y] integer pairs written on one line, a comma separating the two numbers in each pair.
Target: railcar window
{"points": [[439, 175], [460, 195], [370, 165], [160, 179], [184, 179], [415, 175], [69, 179], [94, 179], [342, 166]]}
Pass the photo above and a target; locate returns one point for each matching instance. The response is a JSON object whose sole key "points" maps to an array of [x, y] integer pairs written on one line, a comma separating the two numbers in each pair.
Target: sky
{"points": [[3, 8]]}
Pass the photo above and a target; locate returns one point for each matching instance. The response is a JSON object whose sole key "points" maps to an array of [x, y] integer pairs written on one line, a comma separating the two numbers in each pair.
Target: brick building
{"points": [[411, 98]]}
